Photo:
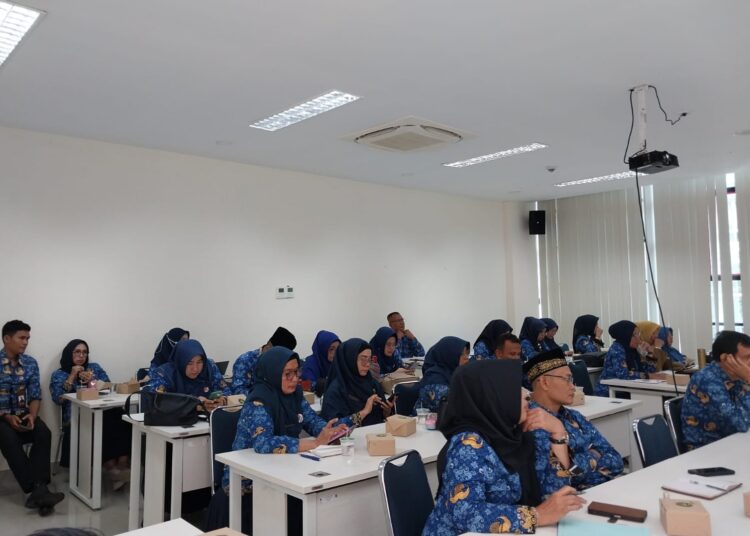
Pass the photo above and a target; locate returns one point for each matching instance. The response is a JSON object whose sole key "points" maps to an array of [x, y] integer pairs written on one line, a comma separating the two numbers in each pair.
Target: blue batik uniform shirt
{"points": [[57, 387], [243, 372], [407, 347], [714, 407], [19, 384]]}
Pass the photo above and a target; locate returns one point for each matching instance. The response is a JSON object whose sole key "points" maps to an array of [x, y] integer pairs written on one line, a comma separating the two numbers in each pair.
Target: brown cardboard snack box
{"points": [[235, 403], [309, 396], [682, 379], [101, 386], [381, 445], [389, 380], [401, 425], [128, 388], [746, 498], [579, 398], [224, 532], [684, 517], [87, 394]]}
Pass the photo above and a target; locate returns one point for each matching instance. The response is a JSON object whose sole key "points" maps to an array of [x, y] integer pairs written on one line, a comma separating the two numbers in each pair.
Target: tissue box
{"points": [[389, 380], [746, 497], [579, 399], [87, 394], [400, 425], [127, 388], [381, 445], [684, 517], [310, 397]]}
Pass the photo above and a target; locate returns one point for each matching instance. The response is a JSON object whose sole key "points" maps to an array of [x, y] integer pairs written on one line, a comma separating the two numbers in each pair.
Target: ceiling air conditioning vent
{"points": [[408, 134]]}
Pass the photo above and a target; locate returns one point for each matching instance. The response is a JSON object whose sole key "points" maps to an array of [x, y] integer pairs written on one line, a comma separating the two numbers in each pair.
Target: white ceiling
{"points": [[189, 76]]}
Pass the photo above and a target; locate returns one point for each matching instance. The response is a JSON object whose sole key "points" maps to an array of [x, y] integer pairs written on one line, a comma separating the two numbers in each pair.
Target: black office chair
{"points": [[581, 376], [406, 394], [406, 493], [223, 427], [654, 439], [673, 411]]}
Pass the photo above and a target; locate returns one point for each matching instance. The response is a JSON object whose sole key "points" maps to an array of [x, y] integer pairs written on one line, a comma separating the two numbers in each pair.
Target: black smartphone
{"points": [[711, 471]]}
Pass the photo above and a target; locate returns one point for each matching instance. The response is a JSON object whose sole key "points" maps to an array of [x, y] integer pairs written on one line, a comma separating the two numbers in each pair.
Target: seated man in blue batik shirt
{"points": [[407, 344], [243, 370], [20, 398], [595, 460], [717, 401]]}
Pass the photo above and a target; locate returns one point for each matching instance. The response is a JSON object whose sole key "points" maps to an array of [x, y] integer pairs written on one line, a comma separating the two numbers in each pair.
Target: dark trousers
{"points": [[31, 469]]}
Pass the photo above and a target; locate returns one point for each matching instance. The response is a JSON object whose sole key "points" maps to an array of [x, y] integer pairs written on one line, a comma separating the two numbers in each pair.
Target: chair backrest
{"points": [[581, 376], [673, 411], [653, 439], [222, 366], [406, 493], [406, 394], [223, 427]]}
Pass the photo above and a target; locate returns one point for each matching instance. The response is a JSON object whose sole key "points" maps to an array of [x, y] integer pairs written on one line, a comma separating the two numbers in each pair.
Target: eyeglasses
{"points": [[568, 379], [291, 374], [80, 352]]}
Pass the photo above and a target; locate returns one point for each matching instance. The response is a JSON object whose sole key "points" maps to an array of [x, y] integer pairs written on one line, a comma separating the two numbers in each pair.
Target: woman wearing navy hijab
{"points": [[352, 391], [549, 342], [675, 356], [271, 421], [532, 334], [440, 363], [166, 346], [318, 364], [587, 335], [189, 372], [622, 361], [384, 349]]}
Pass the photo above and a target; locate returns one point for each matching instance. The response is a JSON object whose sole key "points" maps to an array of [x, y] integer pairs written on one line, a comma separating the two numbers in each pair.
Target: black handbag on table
{"points": [[166, 409]]}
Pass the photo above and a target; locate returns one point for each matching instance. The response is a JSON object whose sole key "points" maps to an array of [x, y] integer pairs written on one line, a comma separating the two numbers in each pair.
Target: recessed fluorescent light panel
{"points": [[612, 177], [494, 156], [15, 22], [306, 110]]}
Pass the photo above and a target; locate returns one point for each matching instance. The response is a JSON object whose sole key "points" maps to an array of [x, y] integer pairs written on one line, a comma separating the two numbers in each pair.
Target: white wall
{"points": [[116, 244]]}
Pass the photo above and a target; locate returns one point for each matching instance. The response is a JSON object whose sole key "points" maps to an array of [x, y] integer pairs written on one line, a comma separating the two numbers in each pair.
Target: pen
{"points": [[707, 485], [310, 457]]}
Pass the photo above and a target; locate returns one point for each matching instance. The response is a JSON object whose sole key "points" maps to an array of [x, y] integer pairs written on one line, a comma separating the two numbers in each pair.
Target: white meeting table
{"points": [[651, 394], [642, 489], [86, 445], [347, 497], [191, 467]]}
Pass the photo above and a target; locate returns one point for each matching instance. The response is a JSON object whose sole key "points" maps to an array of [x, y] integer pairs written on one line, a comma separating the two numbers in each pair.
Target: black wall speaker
{"points": [[536, 222]]}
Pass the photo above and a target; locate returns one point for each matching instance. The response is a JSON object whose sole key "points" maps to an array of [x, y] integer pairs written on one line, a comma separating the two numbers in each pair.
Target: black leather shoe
{"points": [[31, 502]]}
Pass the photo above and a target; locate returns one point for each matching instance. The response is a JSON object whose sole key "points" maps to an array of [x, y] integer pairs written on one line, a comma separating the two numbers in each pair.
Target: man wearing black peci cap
{"points": [[595, 460]]}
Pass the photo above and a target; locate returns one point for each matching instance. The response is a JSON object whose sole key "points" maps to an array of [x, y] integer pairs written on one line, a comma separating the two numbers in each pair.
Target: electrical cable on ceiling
{"points": [[672, 122]]}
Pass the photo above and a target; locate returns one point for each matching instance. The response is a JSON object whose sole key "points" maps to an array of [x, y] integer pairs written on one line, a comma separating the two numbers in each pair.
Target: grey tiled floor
{"points": [[17, 520]]}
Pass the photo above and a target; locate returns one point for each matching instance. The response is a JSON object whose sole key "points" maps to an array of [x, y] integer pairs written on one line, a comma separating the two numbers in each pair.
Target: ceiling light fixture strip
{"points": [[603, 178], [495, 156], [306, 110], [15, 22]]}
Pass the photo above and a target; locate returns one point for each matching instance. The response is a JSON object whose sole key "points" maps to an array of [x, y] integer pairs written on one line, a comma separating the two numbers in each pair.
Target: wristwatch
{"points": [[563, 441]]}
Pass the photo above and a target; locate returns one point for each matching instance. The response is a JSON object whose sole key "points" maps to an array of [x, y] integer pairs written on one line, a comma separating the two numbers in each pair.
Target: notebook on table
{"points": [[570, 526], [698, 486]]}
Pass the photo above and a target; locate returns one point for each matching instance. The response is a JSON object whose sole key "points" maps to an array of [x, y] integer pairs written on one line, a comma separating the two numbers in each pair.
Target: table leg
{"points": [[235, 500], [176, 493], [269, 510], [134, 518], [96, 477], [153, 494], [74, 413], [309, 514]]}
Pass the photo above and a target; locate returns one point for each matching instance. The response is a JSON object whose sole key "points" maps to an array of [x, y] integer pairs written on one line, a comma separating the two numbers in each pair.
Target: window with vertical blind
{"points": [[592, 260]]}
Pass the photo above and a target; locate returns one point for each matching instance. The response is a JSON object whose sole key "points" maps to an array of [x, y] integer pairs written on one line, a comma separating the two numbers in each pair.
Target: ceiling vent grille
{"points": [[408, 134]]}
